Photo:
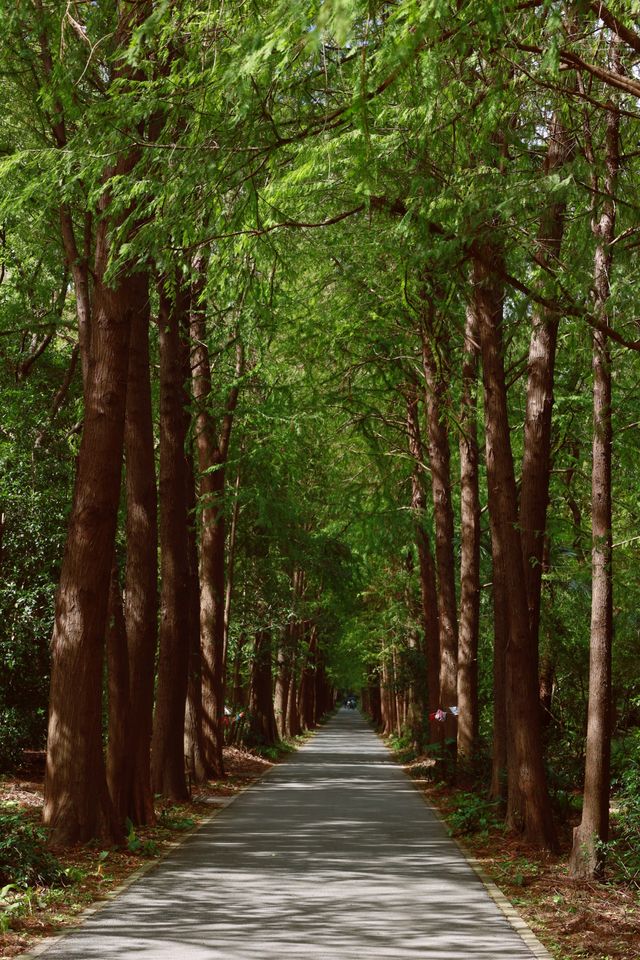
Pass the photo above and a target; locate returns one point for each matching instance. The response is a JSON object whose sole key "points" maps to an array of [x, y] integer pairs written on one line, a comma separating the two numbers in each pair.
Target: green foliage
{"points": [[24, 859], [473, 814], [622, 852], [416, 127], [143, 848], [171, 819], [13, 738]]}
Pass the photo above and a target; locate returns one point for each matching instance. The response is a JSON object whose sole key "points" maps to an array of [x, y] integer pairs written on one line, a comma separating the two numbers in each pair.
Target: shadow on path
{"points": [[334, 854]]}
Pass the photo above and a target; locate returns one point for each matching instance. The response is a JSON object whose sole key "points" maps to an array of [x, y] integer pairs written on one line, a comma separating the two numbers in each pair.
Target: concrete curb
{"points": [[517, 922], [48, 943], [520, 925]]}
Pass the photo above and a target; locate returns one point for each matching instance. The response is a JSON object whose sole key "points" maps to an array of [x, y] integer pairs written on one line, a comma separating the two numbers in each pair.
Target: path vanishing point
{"points": [[333, 855]]}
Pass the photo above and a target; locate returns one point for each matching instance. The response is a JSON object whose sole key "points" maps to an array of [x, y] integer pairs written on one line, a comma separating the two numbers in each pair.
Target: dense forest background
{"points": [[319, 370]]}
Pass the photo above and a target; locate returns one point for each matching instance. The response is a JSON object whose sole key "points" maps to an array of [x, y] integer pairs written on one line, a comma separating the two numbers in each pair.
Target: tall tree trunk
{"points": [[293, 714], [141, 576], [167, 754], [287, 648], [426, 566], [528, 805], [498, 787], [240, 698], [388, 695], [433, 348], [283, 678], [231, 558], [212, 547], [321, 692], [212, 457], [469, 627], [193, 748], [587, 858], [373, 687], [119, 756], [307, 679], [536, 462], [263, 719], [77, 803], [397, 692]]}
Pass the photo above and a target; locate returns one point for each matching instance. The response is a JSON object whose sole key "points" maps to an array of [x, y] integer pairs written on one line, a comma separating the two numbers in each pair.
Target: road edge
{"points": [[48, 942], [516, 921]]}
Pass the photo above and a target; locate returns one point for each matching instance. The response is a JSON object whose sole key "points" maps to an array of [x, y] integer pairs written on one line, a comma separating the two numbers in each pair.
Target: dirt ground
{"points": [[95, 872]]}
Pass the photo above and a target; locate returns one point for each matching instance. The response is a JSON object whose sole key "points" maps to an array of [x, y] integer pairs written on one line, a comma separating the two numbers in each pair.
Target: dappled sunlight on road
{"points": [[334, 854]]}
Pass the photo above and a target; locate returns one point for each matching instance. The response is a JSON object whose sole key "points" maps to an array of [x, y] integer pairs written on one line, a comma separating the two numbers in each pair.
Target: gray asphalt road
{"points": [[333, 855]]}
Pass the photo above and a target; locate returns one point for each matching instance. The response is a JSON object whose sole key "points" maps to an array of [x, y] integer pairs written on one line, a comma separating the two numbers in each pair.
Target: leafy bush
{"points": [[173, 819], [623, 850], [144, 848], [473, 814], [24, 859], [12, 739]]}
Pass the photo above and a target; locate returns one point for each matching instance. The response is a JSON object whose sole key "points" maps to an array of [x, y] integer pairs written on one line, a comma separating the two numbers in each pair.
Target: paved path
{"points": [[333, 855]]}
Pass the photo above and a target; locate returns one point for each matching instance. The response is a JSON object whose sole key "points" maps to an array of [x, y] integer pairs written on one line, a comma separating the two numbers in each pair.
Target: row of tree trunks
{"points": [[303, 693]]}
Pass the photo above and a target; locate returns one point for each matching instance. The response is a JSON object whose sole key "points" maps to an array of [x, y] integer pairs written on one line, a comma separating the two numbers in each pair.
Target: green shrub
{"points": [[623, 850], [24, 859], [473, 814], [143, 848], [12, 738]]}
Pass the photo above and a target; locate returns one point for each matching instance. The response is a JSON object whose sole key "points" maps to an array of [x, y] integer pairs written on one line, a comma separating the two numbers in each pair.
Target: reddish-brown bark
{"points": [[293, 714], [433, 350], [498, 787], [193, 749], [77, 803], [374, 704], [212, 448], [529, 808], [469, 626], [307, 680], [387, 695], [119, 756], [141, 576], [587, 857], [286, 653], [536, 461], [283, 679], [263, 721], [167, 752], [426, 566]]}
